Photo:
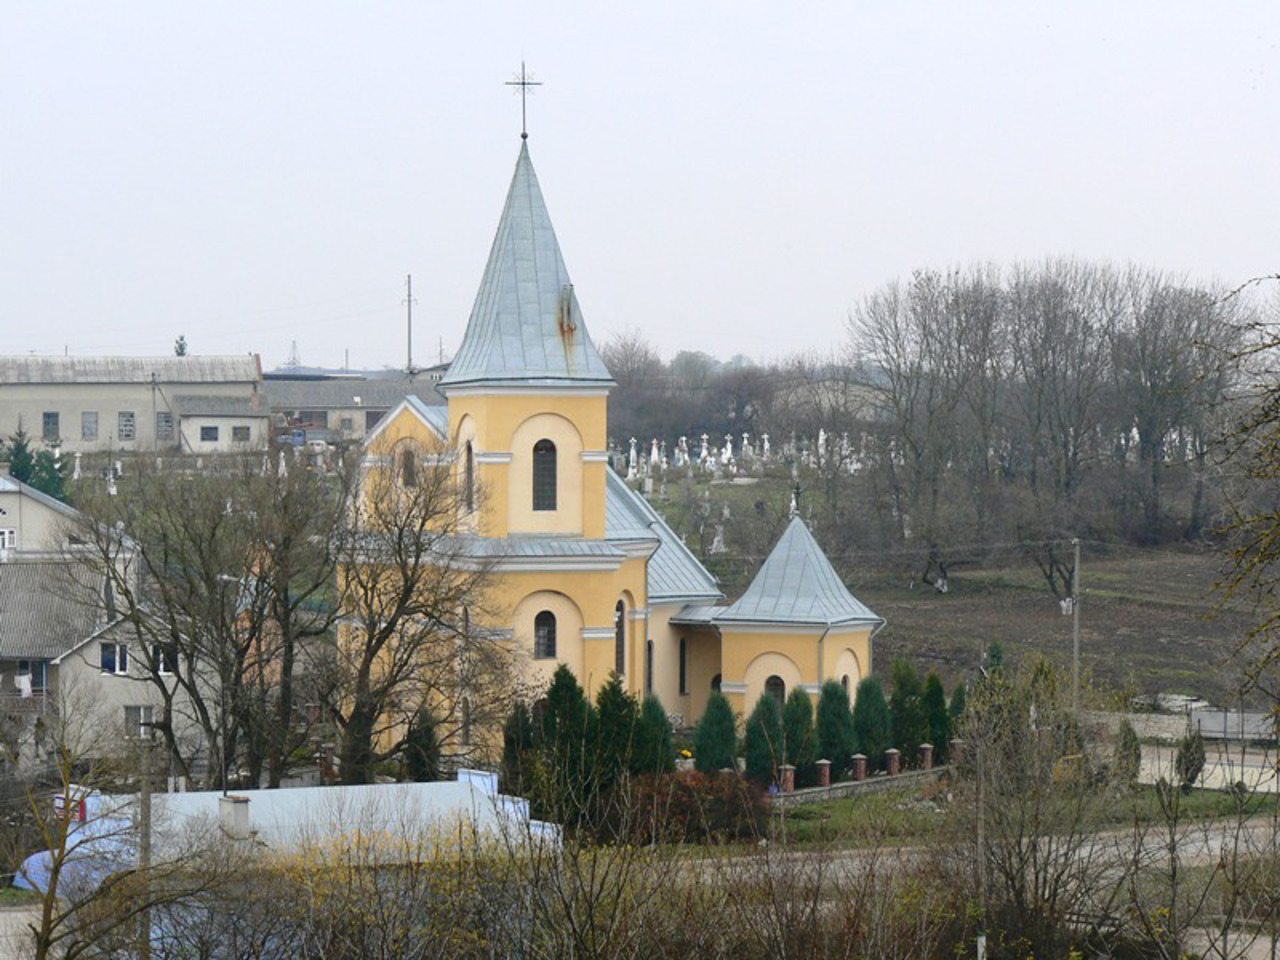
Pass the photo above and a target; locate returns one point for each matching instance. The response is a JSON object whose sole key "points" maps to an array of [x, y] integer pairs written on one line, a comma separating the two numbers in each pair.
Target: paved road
{"points": [[1225, 764]]}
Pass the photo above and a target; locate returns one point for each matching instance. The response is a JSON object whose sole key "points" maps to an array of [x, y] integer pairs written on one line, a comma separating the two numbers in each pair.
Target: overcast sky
{"points": [[727, 177]]}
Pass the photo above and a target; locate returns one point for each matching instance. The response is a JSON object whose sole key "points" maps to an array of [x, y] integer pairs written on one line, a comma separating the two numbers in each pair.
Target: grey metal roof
{"points": [[698, 614], [203, 406], [796, 584], [46, 608], [674, 573], [301, 394], [526, 325], [436, 415], [244, 369], [541, 547]]}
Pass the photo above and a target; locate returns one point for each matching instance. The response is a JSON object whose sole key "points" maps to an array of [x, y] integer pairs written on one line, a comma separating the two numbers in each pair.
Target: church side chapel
{"points": [[587, 574]]}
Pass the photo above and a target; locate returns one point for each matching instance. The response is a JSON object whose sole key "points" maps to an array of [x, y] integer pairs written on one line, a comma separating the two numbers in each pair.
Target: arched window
{"points": [[544, 635], [544, 475], [408, 468], [465, 710], [648, 667], [715, 683], [469, 478], [620, 638], [844, 682], [775, 688], [684, 665]]}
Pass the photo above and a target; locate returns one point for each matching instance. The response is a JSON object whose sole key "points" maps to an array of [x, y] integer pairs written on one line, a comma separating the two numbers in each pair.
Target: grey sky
{"points": [[728, 177]]}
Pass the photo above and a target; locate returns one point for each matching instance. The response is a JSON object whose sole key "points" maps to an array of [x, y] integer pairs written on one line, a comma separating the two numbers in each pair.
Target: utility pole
{"points": [[408, 299], [144, 851], [1075, 628]]}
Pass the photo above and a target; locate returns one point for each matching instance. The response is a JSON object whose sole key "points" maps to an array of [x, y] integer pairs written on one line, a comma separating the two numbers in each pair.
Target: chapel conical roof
{"points": [[526, 327], [797, 584]]}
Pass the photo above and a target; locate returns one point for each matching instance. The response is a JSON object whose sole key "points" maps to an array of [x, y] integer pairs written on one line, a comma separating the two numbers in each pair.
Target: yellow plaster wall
{"points": [[567, 517], [752, 657]]}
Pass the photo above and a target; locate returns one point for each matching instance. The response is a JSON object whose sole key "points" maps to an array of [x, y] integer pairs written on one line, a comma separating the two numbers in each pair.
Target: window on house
{"points": [[408, 468], [715, 683], [8, 538], [114, 657], [208, 434], [50, 424], [313, 419], [774, 687], [684, 665], [164, 425], [239, 434], [347, 424], [37, 670], [88, 424], [544, 635], [544, 475], [162, 659], [138, 720], [844, 682], [126, 425], [371, 418], [648, 667], [469, 478], [620, 638]]}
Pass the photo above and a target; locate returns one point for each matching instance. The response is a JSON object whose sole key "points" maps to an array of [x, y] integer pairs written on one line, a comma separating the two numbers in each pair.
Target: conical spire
{"points": [[526, 327], [797, 584]]}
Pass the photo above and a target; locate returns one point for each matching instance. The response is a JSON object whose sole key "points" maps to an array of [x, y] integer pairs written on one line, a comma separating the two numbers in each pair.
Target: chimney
{"points": [[233, 817]]}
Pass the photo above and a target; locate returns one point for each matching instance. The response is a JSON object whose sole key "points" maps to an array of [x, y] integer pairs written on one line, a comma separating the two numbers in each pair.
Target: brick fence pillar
{"points": [[824, 773], [859, 766], [957, 752], [892, 762], [926, 756], [788, 778]]}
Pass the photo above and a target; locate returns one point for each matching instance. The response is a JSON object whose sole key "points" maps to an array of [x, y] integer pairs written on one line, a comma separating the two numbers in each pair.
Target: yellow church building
{"points": [[586, 572]]}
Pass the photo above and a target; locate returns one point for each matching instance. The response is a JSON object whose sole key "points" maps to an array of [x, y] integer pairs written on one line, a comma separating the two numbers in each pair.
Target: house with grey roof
{"points": [[346, 408]]}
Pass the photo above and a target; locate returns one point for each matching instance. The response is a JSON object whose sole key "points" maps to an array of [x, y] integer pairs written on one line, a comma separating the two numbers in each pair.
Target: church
{"points": [[587, 573]]}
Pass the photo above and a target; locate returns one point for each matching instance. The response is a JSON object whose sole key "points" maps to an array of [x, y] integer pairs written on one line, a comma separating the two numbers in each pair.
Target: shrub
{"points": [[696, 808], [872, 721], [1128, 758], [959, 697], [716, 738], [1189, 761], [764, 741], [910, 728], [517, 751], [837, 740], [798, 740]]}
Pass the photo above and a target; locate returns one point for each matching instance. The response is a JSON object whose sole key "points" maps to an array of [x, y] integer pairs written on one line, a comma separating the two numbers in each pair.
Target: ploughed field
{"points": [[1149, 622]]}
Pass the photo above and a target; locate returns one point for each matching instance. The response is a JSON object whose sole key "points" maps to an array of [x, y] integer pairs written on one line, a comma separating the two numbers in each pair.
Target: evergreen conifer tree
{"points": [[910, 727], [937, 717], [1128, 758], [422, 748], [764, 741], [518, 744], [49, 474], [958, 702], [798, 737], [653, 753], [22, 460], [837, 740], [872, 720], [615, 734], [567, 727], [715, 739]]}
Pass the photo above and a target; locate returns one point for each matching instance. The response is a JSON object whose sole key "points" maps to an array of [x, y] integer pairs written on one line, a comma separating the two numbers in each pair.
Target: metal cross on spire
{"points": [[524, 80]]}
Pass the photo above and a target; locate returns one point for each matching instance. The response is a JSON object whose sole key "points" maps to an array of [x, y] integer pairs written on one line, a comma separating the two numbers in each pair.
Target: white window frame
{"points": [[120, 658], [126, 426], [141, 729], [241, 433], [164, 425], [8, 538], [163, 662], [47, 418], [88, 424]]}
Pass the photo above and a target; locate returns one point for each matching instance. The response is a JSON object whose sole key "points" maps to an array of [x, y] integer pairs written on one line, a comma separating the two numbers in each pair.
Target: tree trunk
{"points": [[355, 754]]}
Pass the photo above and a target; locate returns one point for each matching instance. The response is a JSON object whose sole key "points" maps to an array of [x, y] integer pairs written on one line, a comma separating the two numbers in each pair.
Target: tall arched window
{"points": [[544, 635], [648, 667], [408, 468], [774, 687], [715, 683], [844, 682], [544, 475], [469, 478], [620, 638], [684, 665]]}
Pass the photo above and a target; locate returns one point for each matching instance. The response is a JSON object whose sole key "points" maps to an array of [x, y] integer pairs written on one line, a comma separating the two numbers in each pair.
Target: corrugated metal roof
{"points": [[526, 325], [129, 369], [203, 406], [46, 608], [341, 394], [797, 584], [674, 573]]}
